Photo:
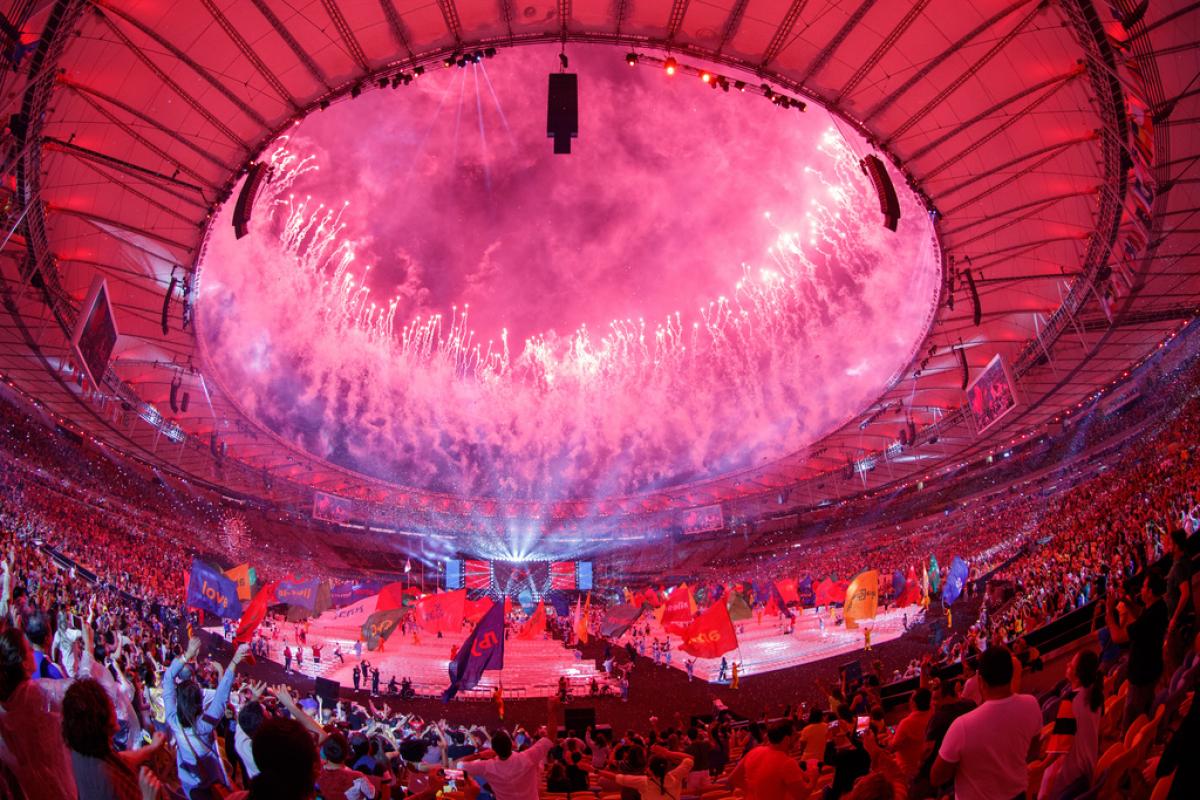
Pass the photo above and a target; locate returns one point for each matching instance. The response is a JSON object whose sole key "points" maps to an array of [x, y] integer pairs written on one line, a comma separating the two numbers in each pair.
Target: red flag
{"points": [[441, 612], [391, 596], [536, 625], [507, 605], [711, 635], [824, 592], [255, 613], [912, 590], [787, 590], [838, 593], [772, 609], [679, 608], [473, 610]]}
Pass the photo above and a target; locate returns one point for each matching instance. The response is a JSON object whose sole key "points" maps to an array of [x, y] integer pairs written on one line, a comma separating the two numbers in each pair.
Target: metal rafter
{"points": [[1037, 205], [1055, 148], [116, 223], [970, 72], [89, 96], [1016, 176], [675, 21], [886, 45], [941, 57], [91, 159], [396, 25], [128, 167], [1055, 81], [779, 40], [729, 29], [450, 15], [293, 44], [236, 37], [347, 33], [195, 66], [827, 52], [167, 81]]}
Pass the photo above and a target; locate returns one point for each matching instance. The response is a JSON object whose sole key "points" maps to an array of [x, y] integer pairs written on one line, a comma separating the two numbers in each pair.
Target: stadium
{"points": [[787, 399]]}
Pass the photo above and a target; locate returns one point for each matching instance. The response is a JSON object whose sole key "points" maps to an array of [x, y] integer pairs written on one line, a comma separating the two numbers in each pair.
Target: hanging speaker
{"points": [[167, 304], [962, 359], [183, 405], [889, 204], [912, 432], [245, 200], [977, 314], [174, 395]]}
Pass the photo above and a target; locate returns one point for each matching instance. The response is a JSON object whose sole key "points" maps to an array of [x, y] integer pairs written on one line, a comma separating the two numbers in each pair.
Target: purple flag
{"points": [[483, 649]]}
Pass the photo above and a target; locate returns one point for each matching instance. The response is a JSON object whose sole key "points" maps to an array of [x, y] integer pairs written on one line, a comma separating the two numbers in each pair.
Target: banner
{"points": [[788, 591], [935, 576], [862, 598], [535, 626], [442, 612], [711, 634], [619, 619], [380, 625], [243, 575], [209, 590], [343, 594], [356, 615], [680, 608], [483, 650], [956, 578], [298, 593], [837, 593], [255, 613], [738, 608]]}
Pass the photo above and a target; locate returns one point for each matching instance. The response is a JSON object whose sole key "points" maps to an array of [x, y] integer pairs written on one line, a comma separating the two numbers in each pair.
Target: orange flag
{"points": [[581, 630], [535, 626], [711, 635]]}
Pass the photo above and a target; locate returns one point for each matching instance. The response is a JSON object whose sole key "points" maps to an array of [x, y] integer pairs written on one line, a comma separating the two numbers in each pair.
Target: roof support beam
{"points": [[89, 97], [731, 23], [116, 223], [884, 47], [128, 187], [236, 37], [347, 33], [779, 40], [675, 21], [970, 72], [396, 25], [128, 167], [1053, 149], [305, 58], [167, 81], [1056, 83], [827, 52], [941, 57], [450, 15], [196, 67], [1037, 205]]}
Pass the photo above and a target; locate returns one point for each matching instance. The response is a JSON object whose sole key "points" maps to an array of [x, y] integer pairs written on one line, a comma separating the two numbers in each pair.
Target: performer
{"points": [[498, 699], [733, 684], [724, 667], [867, 640]]}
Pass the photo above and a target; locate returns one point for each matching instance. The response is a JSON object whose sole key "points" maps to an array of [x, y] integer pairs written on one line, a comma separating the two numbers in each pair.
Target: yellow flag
{"points": [[581, 630], [862, 598], [242, 575]]}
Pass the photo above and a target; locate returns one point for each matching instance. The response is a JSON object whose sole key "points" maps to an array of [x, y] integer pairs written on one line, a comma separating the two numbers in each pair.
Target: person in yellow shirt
{"points": [[733, 684]]}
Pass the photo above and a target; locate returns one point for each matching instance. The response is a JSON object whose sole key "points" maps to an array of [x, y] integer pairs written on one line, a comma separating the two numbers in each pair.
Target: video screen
{"points": [[95, 333], [562, 575], [584, 581], [454, 574], [991, 395], [478, 574]]}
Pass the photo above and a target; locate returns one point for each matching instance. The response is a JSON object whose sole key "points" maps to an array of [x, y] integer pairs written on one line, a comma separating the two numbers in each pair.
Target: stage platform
{"points": [[532, 668], [762, 647]]}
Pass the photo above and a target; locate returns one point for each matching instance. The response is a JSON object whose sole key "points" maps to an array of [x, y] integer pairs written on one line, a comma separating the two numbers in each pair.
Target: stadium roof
{"points": [[1013, 119]]}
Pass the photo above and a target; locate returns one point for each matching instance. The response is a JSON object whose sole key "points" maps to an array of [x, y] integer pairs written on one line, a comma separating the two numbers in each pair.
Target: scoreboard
{"points": [[513, 578]]}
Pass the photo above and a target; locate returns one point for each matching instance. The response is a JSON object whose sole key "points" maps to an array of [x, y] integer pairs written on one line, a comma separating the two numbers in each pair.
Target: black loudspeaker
{"points": [[578, 720], [889, 204], [175, 395], [245, 200], [962, 359], [183, 404], [167, 304], [562, 110], [977, 313], [327, 690]]}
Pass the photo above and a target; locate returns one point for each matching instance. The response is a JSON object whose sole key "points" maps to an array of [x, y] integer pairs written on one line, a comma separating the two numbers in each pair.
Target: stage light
{"points": [[670, 65], [489, 52], [449, 60], [739, 85], [383, 83], [631, 59], [356, 90], [706, 77], [418, 72]]}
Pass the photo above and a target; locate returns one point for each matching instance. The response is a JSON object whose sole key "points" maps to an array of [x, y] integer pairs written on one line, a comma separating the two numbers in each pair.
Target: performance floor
{"points": [[532, 668]]}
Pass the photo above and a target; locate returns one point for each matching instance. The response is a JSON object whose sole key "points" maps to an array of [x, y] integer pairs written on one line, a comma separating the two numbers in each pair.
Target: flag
{"points": [[837, 594], [255, 613], [912, 590], [897, 585], [380, 625], [619, 619], [680, 608], [473, 610], [483, 650], [535, 626], [824, 592], [209, 590], [935, 576], [349, 592], [324, 598], [352, 617], [738, 608], [394, 595], [862, 598], [772, 609], [442, 612], [407, 565], [243, 575], [560, 604], [581, 630], [711, 634], [807, 596], [924, 585], [298, 593], [788, 590], [955, 579]]}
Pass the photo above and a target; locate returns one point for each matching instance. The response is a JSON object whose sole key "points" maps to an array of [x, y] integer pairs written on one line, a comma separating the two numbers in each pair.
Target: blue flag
{"points": [[210, 590], [955, 578], [562, 607], [483, 649], [808, 597], [897, 583], [298, 593]]}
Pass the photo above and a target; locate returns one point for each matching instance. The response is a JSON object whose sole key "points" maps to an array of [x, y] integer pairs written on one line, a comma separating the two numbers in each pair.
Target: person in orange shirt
{"points": [[768, 772], [909, 742]]}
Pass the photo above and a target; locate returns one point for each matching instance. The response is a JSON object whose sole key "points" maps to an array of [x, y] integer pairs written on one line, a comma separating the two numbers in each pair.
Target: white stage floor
{"points": [[763, 648], [532, 668]]}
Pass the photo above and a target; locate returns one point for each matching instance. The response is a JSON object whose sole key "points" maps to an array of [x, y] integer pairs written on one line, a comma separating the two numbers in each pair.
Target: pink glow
{"points": [[758, 300]]}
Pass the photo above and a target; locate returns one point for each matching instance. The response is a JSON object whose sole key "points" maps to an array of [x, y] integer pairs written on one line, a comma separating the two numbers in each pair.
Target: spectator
{"points": [[336, 781], [1145, 636], [909, 742], [985, 750], [287, 761], [1076, 732], [89, 724], [813, 738], [514, 776], [661, 781], [770, 773]]}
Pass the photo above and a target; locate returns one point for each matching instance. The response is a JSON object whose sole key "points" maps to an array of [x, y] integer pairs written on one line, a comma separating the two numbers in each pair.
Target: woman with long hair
{"points": [[1076, 733], [193, 721], [661, 781], [89, 722]]}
